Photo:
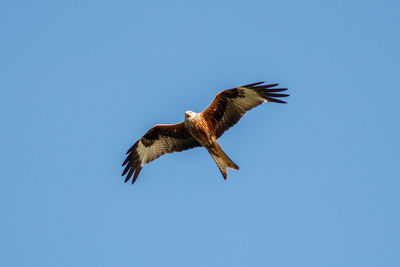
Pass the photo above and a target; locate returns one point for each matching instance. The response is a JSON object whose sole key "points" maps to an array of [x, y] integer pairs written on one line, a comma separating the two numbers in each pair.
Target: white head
{"points": [[190, 114]]}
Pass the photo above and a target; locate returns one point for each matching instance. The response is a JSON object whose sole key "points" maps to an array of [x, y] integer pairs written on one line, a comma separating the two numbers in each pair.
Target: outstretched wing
{"points": [[229, 106], [159, 140]]}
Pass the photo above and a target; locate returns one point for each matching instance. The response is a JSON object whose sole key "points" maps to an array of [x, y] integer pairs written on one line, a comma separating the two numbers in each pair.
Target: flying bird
{"points": [[201, 129]]}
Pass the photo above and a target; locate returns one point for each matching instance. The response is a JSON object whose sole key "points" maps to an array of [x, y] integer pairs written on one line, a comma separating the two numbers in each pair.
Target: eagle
{"points": [[201, 129]]}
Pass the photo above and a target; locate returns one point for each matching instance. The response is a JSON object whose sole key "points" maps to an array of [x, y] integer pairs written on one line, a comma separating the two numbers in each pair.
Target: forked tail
{"points": [[221, 159]]}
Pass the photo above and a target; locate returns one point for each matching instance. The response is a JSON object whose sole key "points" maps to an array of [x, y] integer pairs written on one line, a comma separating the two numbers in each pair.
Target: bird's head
{"points": [[190, 114]]}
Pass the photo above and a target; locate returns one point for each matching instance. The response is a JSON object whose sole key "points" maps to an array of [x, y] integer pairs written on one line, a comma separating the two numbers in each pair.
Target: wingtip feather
{"points": [[138, 169], [270, 99], [252, 84]]}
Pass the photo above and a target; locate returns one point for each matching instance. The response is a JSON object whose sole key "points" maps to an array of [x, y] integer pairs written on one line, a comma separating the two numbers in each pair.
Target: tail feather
{"points": [[222, 160]]}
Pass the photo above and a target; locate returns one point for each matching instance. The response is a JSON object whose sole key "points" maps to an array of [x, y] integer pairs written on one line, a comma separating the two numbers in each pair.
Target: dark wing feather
{"points": [[229, 106], [159, 140]]}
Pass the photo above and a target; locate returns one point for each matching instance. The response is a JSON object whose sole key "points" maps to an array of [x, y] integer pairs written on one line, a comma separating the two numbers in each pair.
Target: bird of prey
{"points": [[201, 129]]}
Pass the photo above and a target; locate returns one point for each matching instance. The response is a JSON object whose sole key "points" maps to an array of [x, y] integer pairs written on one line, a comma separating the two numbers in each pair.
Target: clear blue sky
{"points": [[319, 183]]}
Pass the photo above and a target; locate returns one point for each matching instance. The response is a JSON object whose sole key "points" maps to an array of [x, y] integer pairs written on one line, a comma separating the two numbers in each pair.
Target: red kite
{"points": [[201, 129]]}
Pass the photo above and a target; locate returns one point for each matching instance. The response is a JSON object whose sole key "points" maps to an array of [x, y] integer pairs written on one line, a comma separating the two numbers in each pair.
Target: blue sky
{"points": [[81, 81]]}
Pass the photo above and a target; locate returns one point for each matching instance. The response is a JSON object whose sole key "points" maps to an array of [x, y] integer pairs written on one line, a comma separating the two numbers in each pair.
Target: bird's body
{"points": [[201, 129]]}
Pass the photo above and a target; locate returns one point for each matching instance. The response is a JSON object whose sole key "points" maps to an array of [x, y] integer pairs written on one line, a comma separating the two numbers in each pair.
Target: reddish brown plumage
{"points": [[203, 129], [172, 138], [229, 106]]}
